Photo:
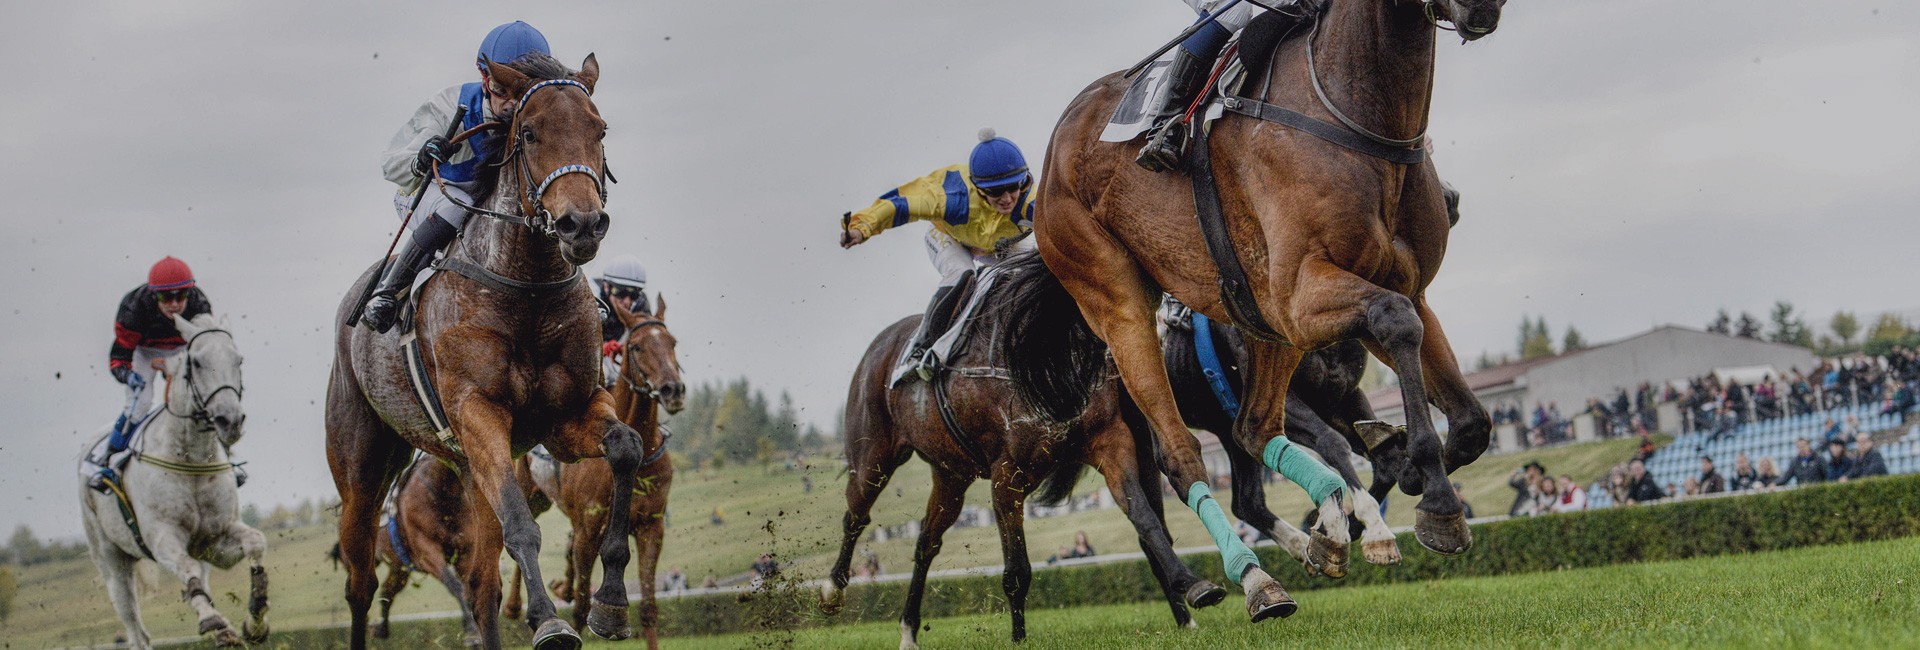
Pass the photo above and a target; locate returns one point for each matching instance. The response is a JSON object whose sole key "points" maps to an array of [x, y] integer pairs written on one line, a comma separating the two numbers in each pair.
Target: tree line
{"points": [[735, 423], [1784, 324]]}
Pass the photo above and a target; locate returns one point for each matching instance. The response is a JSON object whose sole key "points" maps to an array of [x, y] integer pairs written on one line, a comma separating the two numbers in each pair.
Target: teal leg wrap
{"points": [[1302, 468], [1234, 554]]}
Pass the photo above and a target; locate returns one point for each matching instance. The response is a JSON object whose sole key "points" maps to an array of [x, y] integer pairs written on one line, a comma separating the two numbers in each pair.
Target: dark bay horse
{"points": [[649, 381], [1025, 447], [1336, 244], [509, 340], [1324, 402], [429, 533]]}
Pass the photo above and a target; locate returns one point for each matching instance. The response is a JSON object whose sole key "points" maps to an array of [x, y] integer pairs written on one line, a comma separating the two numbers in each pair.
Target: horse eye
{"points": [[526, 133]]}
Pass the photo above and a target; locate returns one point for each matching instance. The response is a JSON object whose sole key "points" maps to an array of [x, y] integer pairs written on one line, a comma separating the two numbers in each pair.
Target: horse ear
{"points": [[507, 81], [186, 327], [589, 73], [660, 308], [627, 318]]}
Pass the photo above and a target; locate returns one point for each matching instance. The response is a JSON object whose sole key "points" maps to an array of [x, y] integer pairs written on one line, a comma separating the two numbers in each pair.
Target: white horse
{"points": [[185, 501]]}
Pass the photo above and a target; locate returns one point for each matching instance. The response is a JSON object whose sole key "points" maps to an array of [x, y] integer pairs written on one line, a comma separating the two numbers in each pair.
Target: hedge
{"points": [[1867, 510]]}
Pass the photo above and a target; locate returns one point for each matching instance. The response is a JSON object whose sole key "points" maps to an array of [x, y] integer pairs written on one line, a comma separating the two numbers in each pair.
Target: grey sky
{"points": [[1625, 163]]}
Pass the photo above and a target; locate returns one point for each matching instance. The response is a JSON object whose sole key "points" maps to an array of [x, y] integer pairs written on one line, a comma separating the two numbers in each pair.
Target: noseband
{"points": [[540, 219], [199, 414]]}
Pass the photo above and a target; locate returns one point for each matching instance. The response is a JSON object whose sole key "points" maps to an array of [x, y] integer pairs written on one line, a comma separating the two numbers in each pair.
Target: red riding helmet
{"points": [[169, 273]]}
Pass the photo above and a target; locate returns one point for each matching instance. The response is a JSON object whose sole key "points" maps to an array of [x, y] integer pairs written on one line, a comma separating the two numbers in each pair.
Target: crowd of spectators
{"points": [[1536, 492]]}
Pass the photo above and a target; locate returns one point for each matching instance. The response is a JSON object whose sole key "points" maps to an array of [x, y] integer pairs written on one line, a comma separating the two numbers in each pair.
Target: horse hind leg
{"points": [[1115, 454], [390, 588], [871, 466], [943, 508], [582, 543], [117, 570], [1250, 505], [1377, 544], [364, 455]]}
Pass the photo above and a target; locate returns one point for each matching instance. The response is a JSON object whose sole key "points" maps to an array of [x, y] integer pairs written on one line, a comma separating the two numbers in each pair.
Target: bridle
{"points": [[536, 217], [645, 385], [199, 414]]}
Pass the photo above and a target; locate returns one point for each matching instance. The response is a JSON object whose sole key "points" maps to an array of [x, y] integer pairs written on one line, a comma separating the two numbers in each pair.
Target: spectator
{"points": [[1744, 476], [1466, 507], [1710, 480], [1546, 494], [1572, 498], [1769, 475], [1867, 460], [1641, 487], [869, 563], [676, 580], [1619, 486], [1646, 444], [763, 569], [1524, 482], [1806, 466], [1899, 398], [1839, 465], [1832, 432], [710, 582], [1692, 487], [1081, 547]]}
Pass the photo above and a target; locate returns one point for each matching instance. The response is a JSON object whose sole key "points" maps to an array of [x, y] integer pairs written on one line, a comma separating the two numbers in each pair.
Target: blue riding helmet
{"points": [[508, 43], [996, 162]]}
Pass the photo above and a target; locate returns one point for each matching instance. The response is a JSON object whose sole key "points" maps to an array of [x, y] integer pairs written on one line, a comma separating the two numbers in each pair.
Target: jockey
{"points": [[623, 283], [982, 212], [1192, 61], [422, 141], [144, 337]]}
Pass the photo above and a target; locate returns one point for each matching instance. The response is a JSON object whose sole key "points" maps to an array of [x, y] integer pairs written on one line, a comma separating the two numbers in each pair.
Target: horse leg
{"points": [[581, 544], [1332, 305], [484, 429], [1010, 487], [1119, 306], [1306, 426], [620, 445], [395, 583], [169, 547], [474, 577], [511, 607], [648, 534], [117, 570], [243, 540], [364, 455], [943, 508], [871, 460], [1122, 454], [463, 581], [1263, 426], [1468, 427]]}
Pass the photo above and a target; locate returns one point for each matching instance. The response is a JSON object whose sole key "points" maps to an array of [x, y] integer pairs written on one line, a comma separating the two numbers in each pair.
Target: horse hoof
{"points": [[1375, 433], [256, 635], [1204, 594], [1270, 601], [214, 622], [1381, 551], [831, 600], [609, 621], [1329, 556], [226, 638], [1443, 534], [556, 634], [380, 630]]}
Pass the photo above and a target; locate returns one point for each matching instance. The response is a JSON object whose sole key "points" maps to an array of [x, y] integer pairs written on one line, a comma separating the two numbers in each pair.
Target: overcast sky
{"points": [[1625, 164]]}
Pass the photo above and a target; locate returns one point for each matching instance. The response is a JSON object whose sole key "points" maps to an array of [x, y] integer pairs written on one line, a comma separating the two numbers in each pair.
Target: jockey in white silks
{"points": [[623, 284], [144, 337], [422, 141], [982, 213]]}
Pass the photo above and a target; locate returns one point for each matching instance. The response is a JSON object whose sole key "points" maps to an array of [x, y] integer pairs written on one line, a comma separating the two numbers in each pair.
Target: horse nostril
{"points": [[222, 421], [600, 225], [567, 224]]}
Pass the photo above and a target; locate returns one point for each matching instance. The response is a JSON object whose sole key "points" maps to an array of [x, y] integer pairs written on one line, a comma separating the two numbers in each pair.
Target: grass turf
{"points": [[1860, 595]]}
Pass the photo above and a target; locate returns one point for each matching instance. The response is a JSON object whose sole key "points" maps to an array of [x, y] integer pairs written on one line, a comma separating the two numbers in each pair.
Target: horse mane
{"points": [[1052, 354], [537, 67]]}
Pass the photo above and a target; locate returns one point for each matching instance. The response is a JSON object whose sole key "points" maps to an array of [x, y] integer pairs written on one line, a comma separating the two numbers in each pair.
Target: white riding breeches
{"points": [[435, 203], [952, 259], [1235, 18], [143, 357]]}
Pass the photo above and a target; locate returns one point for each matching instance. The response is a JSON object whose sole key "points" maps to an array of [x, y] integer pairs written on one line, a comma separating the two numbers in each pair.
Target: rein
{"points": [[540, 220]]}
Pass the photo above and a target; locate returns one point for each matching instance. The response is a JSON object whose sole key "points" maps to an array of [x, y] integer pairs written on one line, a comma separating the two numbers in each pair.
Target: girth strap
{"points": [[1236, 292], [127, 515], [1329, 132], [954, 430]]}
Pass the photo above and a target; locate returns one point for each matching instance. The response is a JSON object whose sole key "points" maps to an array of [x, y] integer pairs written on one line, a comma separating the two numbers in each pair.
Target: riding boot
{"points": [[1452, 197], [939, 316], [1168, 140], [384, 307]]}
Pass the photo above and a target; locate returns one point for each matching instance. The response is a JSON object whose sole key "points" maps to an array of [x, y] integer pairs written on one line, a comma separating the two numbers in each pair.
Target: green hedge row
{"points": [[1867, 510]]}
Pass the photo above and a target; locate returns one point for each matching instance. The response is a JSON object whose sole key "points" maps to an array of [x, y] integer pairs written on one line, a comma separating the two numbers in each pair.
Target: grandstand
{"points": [[1676, 462]]}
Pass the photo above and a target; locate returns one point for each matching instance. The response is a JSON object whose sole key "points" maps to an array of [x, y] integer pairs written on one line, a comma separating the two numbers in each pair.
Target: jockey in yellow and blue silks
{"points": [[410, 156], [981, 213]]}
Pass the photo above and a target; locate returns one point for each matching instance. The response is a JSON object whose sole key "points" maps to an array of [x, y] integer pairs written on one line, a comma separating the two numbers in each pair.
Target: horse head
{"points": [[204, 380], [557, 136], [1472, 18], [651, 367]]}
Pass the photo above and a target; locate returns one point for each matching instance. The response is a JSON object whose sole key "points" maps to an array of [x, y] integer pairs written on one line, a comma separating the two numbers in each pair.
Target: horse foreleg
{"points": [[582, 543], [170, 550], [1262, 429], [1306, 426], [243, 540], [1468, 427], [510, 608], [1010, 487], [620, 445], [117, 570], [484, 429], [943, 508], [648, 536], [473, 577], [1114, 455]]}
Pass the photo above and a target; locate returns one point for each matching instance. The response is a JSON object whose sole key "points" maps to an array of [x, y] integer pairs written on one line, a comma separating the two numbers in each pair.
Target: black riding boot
{"points": [[384, 307], [939, 316], [1168, 141]]}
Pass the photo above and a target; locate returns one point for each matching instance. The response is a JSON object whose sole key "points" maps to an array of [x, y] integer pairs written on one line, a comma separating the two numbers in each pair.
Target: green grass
{"points": [[1860, 595], [64, 603]]}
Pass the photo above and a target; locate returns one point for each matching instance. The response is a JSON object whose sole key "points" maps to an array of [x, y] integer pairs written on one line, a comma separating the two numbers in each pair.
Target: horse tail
{"points": [[334, 554], [1058, 486], [1052, 354]]}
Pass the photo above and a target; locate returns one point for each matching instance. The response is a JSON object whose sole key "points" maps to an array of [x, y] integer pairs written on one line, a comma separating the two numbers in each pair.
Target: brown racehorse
{"points": [[649, 376], [428, 534], [1336, 245], [510, 342], [1025, 446]]}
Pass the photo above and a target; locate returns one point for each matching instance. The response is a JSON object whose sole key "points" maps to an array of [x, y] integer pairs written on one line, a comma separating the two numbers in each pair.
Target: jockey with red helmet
{"points": [[982, 212], [422, 141], [144, 337]]}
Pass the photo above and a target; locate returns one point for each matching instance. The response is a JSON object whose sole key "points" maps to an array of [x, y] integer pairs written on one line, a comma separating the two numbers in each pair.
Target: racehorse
{"points": [[508, 339], [649, 377], [1340, 241], [989, 433], [1324, 402], [181, 497], [427, 531]]}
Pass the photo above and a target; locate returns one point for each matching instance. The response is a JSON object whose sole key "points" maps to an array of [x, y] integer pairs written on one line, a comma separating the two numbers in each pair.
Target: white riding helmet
{"points": [[625, 271]]}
